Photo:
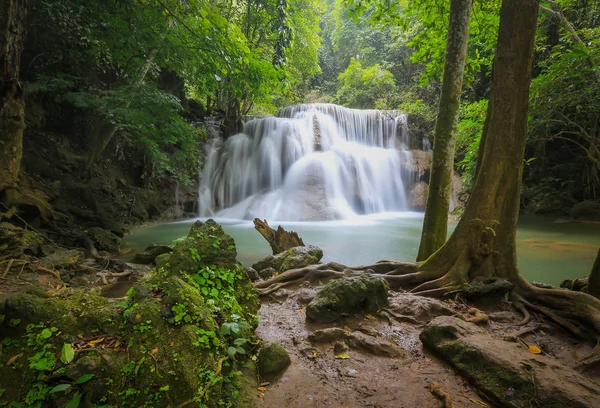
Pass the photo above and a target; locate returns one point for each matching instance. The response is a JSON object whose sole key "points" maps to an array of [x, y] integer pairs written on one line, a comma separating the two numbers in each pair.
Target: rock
{"points": [[347, 296], [150, 253], [297, 257], [508, 373], [267, 273], [420, 308], [273, 360], [105, 240], [327, 335], [305, 295], [482, 286], [205, 244], [339, 347], [374, 345], [418, 195], [61, 259], [252, 274]]}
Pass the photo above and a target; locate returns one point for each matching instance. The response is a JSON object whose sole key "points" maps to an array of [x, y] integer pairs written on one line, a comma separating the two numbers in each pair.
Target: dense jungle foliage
{"points": [[136, 79]]}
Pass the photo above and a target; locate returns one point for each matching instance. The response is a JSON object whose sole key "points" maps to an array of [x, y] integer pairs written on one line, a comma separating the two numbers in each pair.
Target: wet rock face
{"points": [[293, 258], [347, 296], [508, 373], [150, 253], [205, 244], [273, 360]]}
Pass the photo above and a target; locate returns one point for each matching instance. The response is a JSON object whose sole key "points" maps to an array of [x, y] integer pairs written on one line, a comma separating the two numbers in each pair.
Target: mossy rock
{"points": [[105, 240], [343, 297], [205, 244], [293, 258], [273, 360], [507, 373]]}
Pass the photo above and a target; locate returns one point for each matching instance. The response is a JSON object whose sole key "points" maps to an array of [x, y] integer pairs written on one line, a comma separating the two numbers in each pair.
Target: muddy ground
{"points": [[316, 378]]}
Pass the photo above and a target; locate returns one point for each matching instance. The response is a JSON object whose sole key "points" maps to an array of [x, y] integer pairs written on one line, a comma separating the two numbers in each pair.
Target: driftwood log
{"points": [[279, 239]]}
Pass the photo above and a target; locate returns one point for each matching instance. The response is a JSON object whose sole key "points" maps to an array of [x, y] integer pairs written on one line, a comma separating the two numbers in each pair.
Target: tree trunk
{"points": [[484, 243], [13, 16], [435, 224], [279, 239], [594, 278]]}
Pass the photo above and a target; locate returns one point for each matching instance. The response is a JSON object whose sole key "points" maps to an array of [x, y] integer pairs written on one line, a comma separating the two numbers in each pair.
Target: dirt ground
{"points": [[316, 378]]}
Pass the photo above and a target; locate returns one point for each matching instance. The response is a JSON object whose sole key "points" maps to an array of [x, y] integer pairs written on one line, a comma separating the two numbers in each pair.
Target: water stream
{"points": [[548, 251]]}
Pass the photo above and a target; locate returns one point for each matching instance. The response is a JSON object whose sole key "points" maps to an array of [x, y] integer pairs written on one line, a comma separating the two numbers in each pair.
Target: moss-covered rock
{"points": [[105, 240], [273, 360], [296, 257], [159, 347], [205, 244], [343, 297], [507, 373], [148, 256]]}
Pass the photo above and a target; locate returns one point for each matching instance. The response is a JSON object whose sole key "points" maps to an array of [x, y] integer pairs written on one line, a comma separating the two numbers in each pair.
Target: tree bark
{"points": [[435, 224], [594, 278], [13, 16], [279, 239]]}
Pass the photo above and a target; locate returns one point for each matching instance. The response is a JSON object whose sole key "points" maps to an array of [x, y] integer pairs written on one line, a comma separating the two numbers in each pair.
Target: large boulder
{"points": [[150, 253], [508, 373], [205, 244], [161, 344], [105, 240], [293, 258], [347, 296], [273, 360]]}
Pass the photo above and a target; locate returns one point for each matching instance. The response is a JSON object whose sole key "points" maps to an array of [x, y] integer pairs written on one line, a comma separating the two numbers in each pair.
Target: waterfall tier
{"points": [[311, 162]]}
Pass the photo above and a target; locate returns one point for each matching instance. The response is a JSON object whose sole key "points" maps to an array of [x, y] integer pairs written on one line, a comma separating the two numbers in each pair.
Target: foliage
{"points": [[366, 88], [470, 128]]}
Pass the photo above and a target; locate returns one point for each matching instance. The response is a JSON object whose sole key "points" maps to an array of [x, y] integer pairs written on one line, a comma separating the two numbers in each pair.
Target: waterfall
{"points": [[310, 162]]}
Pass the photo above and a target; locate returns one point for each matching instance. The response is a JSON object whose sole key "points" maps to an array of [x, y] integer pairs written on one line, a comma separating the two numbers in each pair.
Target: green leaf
{"points": [[83, 379], [59, 388], [231, 351], [214, 292], [46, 334], [74, 403], [67, 353], [239, 341]]}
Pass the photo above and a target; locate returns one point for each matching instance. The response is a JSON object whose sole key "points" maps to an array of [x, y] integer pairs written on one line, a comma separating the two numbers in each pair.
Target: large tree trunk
{"points": [[484, 243], [435, 224], [594, 278], [13, 16]]}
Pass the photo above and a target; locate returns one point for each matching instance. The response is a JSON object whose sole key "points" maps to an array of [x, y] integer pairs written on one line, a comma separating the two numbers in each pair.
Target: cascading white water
{"points": [[311, 162]]}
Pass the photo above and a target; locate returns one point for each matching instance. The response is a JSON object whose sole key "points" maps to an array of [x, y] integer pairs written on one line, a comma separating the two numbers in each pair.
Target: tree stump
{"points": [[279, 239]]}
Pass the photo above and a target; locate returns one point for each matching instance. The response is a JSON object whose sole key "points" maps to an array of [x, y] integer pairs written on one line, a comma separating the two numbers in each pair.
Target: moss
{"points": [[273, 359], [105, 240], [347, 296], [586, 210]]}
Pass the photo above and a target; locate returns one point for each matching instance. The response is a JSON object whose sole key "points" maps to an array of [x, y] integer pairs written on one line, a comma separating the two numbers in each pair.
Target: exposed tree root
{"points": [[388, 270]]}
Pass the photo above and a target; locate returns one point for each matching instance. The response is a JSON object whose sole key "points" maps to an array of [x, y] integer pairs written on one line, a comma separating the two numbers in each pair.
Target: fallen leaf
{"points": [[12, 360], [348, 329], [370, 317], [303, 310], [342, 356], [315, 353], [155, 350], [276, 273], [98, 341], [534, 349], [543, 332], [261, 389]]}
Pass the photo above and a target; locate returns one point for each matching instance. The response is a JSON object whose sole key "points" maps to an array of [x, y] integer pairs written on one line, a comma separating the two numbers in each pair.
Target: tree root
{"points": [[479, 317], [388, 270], [440, 394], [398, 317]]}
